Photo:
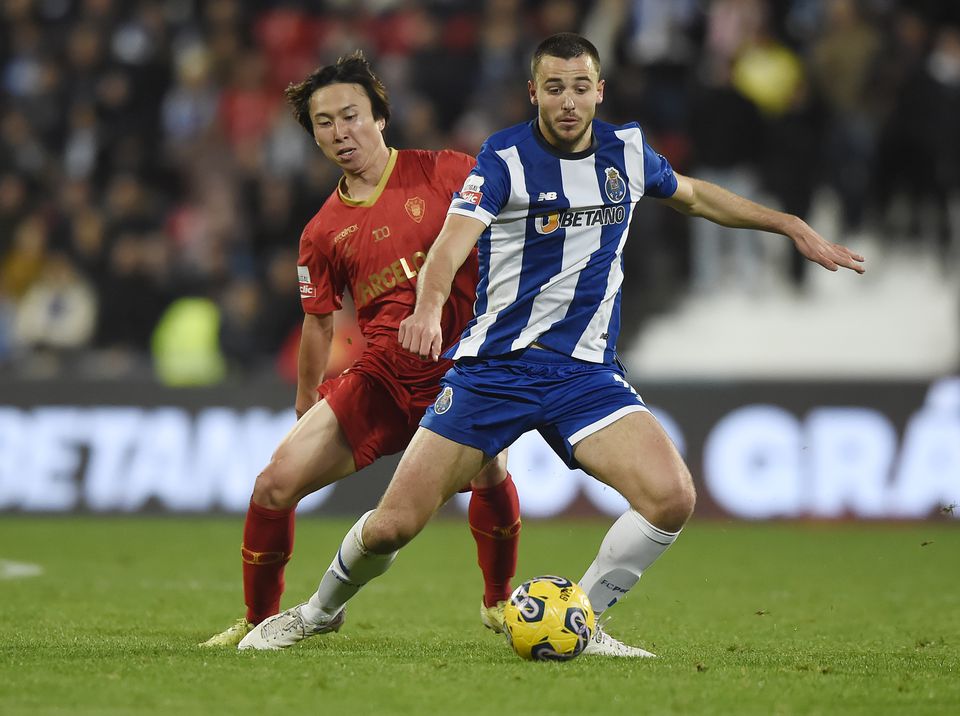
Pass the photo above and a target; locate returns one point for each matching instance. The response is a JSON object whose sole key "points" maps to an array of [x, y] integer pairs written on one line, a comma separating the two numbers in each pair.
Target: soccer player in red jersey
{"points": [[370, 237]]}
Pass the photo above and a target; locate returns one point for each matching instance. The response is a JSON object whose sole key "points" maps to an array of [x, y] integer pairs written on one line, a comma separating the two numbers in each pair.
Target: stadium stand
{"points": [[146, 157]]}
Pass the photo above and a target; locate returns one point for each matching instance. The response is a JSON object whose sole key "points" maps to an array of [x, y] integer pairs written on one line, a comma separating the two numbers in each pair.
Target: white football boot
{"points": [[230, 636], [602, 644], [286, 629], [492, 617]]}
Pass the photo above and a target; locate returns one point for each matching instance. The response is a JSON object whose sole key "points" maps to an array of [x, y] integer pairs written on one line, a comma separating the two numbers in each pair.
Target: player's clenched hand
{"points": [[829, 255], [421, 334]]}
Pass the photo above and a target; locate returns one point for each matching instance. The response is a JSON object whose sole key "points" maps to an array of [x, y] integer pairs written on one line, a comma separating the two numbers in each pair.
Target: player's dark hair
{"points": [[566, 46], [352, 69]]}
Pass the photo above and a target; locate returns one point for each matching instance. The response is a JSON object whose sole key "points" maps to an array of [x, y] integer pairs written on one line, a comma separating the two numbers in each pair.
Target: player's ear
{"points": [[532, 89], [600, 86], [381, 123]]}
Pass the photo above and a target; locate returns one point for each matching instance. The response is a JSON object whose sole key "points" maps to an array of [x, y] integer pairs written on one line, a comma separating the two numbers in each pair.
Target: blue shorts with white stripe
{"points": [[488, 403]]}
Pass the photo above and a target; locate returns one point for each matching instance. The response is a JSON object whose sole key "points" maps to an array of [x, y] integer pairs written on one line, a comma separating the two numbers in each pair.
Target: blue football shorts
{"points": [[488, 403]]}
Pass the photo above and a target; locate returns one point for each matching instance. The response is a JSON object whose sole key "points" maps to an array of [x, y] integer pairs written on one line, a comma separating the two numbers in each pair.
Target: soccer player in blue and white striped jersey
{"points": [[549, 204]]}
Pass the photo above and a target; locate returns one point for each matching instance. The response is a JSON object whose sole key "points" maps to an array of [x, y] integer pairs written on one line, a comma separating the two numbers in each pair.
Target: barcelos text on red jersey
{"points": [[394, 274]]}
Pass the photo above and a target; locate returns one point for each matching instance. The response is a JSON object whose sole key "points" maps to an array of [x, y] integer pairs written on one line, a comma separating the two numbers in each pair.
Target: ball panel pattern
{"points": [[548, 619]]}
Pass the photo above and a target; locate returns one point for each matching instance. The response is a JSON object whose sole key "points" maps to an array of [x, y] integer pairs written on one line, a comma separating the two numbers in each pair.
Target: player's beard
{"points": [[561, 140]]}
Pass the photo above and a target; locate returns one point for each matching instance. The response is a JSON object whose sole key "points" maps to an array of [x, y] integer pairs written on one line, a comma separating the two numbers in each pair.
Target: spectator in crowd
{"points": [[13, 208], [790, 164], [186, 343], [23, 262], [57, 313], [240, 319], [842, 61], [919, 151], [720, 255], [132, 295], [189, 108]]}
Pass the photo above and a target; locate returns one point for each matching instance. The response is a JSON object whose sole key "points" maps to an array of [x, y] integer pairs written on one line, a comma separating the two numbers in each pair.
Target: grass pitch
{"points": [[747, 619]]}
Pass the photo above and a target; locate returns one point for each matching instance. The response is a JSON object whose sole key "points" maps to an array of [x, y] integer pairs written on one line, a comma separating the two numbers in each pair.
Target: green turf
{"points": [[747, 619]]}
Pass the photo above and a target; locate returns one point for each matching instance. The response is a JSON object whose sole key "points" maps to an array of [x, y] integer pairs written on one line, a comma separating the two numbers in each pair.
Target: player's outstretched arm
{"points": [[709, 201], [420, 332], [315, 342]]}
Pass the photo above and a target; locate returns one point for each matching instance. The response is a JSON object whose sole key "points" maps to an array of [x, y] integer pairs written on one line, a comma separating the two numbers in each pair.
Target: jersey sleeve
{"points": [[321, 286], [659, 179], [486, 189]]}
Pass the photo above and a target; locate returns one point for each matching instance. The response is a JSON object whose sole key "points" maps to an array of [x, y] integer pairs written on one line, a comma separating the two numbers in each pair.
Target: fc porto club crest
{"points": [[444, 401], [614, 185], [415, 208]]}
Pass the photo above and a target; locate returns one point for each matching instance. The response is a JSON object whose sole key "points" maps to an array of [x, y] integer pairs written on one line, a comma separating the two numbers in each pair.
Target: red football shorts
{"points": [[370, 416]]}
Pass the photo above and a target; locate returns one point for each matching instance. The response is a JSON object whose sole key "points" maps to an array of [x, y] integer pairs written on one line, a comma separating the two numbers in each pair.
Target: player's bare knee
{"points": [[672, 509], [683, 503], [274, 489], [669, 504], [387, 532]]}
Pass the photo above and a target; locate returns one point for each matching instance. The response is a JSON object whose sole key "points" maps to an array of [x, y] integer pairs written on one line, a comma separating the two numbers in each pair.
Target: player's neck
{"points": [[361, 184]]}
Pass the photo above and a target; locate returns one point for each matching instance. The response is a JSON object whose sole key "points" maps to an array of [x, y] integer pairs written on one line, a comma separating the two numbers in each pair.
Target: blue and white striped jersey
{"points": [[551, 265]]}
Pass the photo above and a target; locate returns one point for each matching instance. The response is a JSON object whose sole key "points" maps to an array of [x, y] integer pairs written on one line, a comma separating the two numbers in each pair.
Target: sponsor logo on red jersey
{"points": [[307, 289], [344, 234], [398, 273]]}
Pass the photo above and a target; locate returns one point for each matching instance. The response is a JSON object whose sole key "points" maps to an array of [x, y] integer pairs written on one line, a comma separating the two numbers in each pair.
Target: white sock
{"points": [[352, 568], [630, 546]]}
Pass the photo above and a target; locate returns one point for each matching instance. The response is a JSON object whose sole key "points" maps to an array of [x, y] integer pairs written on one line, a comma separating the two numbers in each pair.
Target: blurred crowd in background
{"points": [[153, 184]]}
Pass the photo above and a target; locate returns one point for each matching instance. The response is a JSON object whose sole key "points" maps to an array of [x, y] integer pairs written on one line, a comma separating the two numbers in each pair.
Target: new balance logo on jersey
{"points": [[565, 219], [547, 196]]}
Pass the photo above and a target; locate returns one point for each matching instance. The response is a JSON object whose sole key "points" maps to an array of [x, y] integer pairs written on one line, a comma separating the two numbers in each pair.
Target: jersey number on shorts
{"points": [[620, 379]]}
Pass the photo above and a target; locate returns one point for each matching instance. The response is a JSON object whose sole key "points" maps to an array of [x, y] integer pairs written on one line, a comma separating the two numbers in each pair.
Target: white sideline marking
{"points": [[18, 570]]}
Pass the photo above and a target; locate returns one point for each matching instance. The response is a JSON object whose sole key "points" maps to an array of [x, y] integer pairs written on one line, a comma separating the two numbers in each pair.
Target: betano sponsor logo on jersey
{"points": [[566, 218], [398, 272]]}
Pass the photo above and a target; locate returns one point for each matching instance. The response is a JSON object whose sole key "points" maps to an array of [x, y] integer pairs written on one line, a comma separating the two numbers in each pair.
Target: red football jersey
{"points": [[374, 249]]}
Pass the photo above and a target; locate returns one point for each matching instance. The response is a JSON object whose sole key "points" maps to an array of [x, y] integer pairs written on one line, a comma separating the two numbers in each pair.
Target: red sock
{"points": [[266, 549], [494, 517]]}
